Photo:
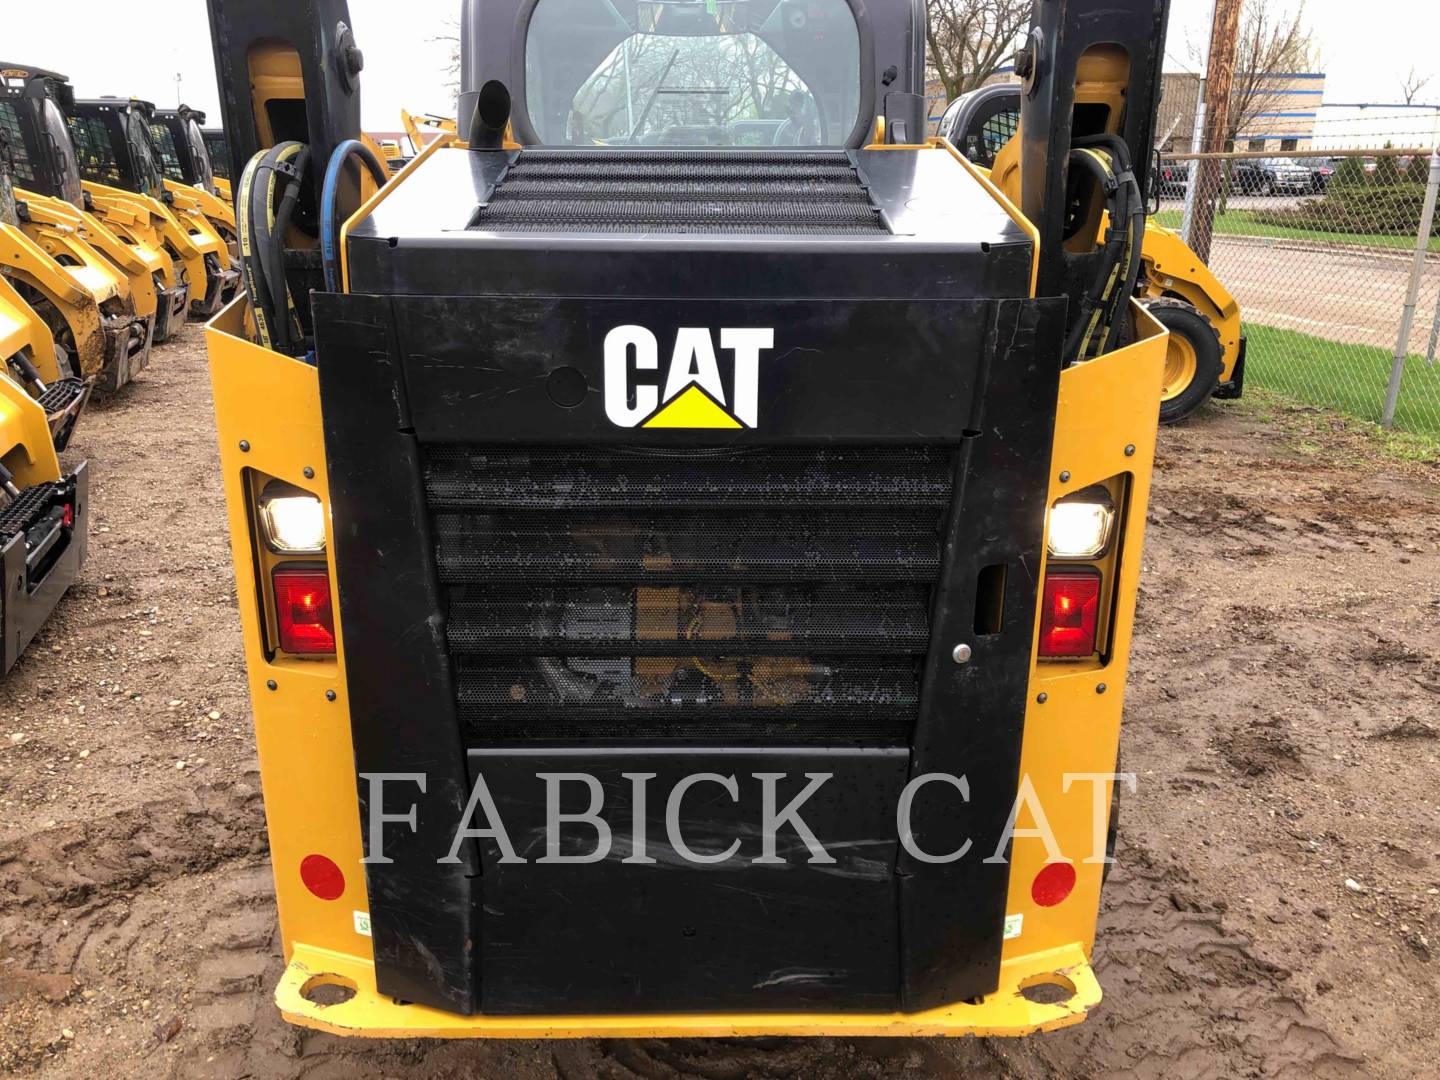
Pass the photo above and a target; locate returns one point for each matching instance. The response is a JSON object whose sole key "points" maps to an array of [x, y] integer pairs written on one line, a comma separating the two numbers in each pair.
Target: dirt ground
{"points": [[1274, 912]]}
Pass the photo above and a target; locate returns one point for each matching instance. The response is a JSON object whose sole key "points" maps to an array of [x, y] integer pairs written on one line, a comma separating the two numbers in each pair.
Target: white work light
{"points": [[293, 521], [1080, 526]]}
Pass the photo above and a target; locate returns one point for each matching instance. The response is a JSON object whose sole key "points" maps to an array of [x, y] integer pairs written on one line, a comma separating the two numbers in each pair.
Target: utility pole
{"points": [[1219, 81]]}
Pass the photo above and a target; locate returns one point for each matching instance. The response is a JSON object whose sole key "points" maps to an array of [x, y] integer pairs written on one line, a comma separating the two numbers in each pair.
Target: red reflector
{"points": [[67, 516], [1052, 885], [302, 608], [1069, 613], [322, 877]]}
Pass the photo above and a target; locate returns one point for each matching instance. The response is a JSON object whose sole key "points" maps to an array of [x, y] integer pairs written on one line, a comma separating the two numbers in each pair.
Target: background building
{"points": [[1269, 111], [1375, 125]]}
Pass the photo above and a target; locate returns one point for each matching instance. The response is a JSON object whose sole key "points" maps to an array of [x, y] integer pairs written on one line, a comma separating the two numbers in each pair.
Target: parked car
{"points": [[1270, 176], [1173, 178], [1321, 169]]}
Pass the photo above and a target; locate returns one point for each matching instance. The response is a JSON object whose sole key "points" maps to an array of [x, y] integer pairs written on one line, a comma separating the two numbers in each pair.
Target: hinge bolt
{"points": [[309, 472], [1065, 476], [270, 684], [1130, 450], [1042, 697], [244, 446], [1100, 688], [329, 695]]}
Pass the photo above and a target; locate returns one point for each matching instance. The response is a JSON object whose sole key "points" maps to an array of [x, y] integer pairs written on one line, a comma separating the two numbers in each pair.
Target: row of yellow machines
{"points": [[113, 231]]}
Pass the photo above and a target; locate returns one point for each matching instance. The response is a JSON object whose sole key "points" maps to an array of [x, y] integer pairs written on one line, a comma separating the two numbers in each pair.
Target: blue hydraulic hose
{"points": [[329, 228]]}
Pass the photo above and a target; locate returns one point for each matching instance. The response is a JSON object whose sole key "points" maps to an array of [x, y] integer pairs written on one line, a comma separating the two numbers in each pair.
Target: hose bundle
{"points": [[329, 221], [1107, 159], [265, 203], [262, 223]]}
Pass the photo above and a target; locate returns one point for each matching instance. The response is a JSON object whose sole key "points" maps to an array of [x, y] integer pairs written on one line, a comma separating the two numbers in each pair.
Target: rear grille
{"points": [[680, 191], [757, 595]]}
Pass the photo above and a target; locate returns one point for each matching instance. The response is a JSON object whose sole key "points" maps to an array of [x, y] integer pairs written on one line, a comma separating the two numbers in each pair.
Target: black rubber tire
{"points": [[1184, 321]]}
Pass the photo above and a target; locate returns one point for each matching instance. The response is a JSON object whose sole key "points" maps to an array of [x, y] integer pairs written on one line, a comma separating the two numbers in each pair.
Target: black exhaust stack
{"points": [[492, 115]]}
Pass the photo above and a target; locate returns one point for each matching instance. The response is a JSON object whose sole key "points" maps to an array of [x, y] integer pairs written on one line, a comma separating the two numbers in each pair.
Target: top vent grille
{"points": [[680, 192]]}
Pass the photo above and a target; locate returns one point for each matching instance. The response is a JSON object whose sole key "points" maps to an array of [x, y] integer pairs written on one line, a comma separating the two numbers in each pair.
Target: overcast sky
{"points": [[137, 51]]}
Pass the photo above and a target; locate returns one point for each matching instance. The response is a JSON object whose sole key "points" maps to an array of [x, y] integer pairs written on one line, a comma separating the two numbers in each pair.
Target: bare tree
{"points": [[1271, 42], [450, 37], [969, 40], [1412, 83]]}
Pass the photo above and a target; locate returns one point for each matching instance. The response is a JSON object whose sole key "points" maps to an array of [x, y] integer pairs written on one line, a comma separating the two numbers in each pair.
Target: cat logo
{"points": [[693, 395]]}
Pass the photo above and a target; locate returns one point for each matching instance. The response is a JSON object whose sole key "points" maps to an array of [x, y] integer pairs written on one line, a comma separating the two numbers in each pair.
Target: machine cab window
{"points": [[743, 73]]}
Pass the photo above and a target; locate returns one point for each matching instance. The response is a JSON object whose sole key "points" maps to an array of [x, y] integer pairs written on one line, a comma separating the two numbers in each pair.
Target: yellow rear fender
{"points": [[137, 266], [25, 443], [96, 231], [25, 263], [218, 211], [21, 328], [203, 234], [27, 260], [26, 447], [1172, 269], [82, 263], [115, 205], [176, 235]]}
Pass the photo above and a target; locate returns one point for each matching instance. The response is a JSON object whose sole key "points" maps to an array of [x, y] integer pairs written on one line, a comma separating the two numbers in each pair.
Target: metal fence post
{"points": [[1434, 334], [1412, 295], [1192, 175]]}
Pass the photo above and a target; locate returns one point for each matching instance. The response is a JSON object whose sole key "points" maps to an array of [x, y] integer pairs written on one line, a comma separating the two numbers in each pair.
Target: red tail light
{"points": [[1069, 613], [303, 611]]}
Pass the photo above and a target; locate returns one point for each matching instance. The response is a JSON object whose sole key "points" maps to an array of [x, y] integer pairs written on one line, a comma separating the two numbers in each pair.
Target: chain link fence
{"points": [[1322, 249]]}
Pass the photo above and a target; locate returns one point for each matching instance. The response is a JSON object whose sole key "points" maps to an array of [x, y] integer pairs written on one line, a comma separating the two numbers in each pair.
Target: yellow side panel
{"points": [[1105, 426], [272, 404]]}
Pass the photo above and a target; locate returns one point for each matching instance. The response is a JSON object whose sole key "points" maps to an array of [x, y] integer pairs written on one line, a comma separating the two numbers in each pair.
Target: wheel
{"points": [[1192, 360], [67, 356]]}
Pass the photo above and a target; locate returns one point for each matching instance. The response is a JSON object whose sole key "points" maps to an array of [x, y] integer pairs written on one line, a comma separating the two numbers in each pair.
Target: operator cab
{"points": [[115, 147], [752, 73], [181, 147], [32, 111]]}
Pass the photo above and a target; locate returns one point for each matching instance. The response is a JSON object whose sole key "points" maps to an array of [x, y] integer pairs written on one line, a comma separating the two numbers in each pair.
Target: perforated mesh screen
{"points": [[771, 695], [680, 191], [775, 594], [680, 620], [458, 477]]}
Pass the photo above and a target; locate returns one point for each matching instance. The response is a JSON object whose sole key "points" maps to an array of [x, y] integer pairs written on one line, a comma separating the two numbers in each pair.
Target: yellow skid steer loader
{"points": [[687, 523], [219, 150], [1206, 354], [43, 508], [189, 172], [83, 298], [116, 150]]}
